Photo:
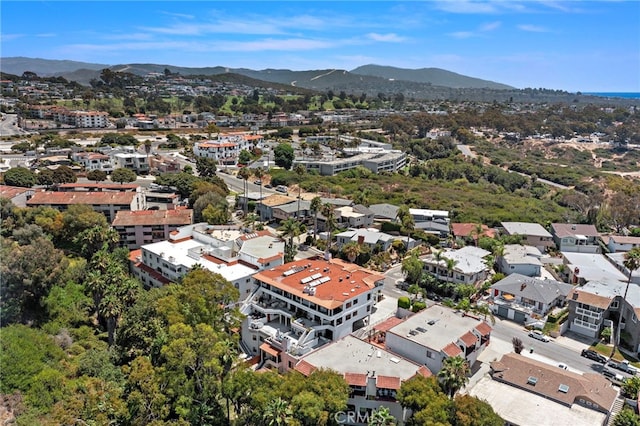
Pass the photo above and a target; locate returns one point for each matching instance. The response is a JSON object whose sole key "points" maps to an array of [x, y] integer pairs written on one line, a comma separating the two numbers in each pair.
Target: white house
{"points": [[619, 243], [579, 238], [221, 249], [468, 265], [517, 259], [436, 333]]}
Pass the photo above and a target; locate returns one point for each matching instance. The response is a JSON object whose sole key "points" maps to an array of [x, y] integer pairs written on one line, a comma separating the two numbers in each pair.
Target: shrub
{"points": [[418, 305], [404, 302]]}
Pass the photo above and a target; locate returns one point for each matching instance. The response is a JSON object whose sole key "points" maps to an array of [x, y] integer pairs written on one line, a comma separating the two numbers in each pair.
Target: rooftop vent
{"points": [[563, 388], [532, 380]]}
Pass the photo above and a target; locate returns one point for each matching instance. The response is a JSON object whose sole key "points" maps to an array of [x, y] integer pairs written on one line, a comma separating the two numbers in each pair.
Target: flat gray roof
{"points": [[352, 355], [593, 267], [447, 327], [525, 228]]}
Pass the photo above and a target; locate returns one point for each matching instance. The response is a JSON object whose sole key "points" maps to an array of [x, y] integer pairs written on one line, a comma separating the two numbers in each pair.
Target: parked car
{"points": [[537, 334], [257, 182], [591, 354], [402, 285], [615, 378], [563, 366], [268, 186], [282, 188], [624, 366]]}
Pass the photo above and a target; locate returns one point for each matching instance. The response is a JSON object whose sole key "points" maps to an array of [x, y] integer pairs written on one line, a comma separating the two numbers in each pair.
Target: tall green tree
{"points": [[123, 175], [289, 230], [316, 205], [412, 268], [406, 221], [631, 263], [259, 172], [19, 176], [284, 155], [300, 171], [206, 167], [454, 374], [470, 411]]}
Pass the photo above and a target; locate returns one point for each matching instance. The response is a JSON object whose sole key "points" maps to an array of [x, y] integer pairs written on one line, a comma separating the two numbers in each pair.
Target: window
{"points": [[615, 304], [429, 354]]}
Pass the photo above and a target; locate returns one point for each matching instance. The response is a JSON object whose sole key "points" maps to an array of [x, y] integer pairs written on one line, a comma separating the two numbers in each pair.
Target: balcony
{"points": [[588, 313]]}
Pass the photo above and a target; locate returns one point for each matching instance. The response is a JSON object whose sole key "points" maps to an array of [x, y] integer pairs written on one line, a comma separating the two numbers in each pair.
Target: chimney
{"points": [[523, 286], [360, 240]]}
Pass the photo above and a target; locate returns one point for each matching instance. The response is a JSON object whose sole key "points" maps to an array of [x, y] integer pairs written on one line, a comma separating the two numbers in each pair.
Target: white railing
{"points": [[588, 313], [586, 324]]}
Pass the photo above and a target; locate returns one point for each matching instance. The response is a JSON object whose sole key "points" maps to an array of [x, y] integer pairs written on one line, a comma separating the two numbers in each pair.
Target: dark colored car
{"points": [[588, 353], [268, 186]]}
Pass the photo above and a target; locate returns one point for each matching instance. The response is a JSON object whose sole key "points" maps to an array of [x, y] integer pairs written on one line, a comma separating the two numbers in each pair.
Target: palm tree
{"points": [[407, 222], [259, 173], [245, 174], [451, 264], [632, 263], [414, 289], [329, 215], [351, 250], [382, 417], [289, 230], [316, 203], [476, 232], [300, 170], [454, 374], [278, 413]]}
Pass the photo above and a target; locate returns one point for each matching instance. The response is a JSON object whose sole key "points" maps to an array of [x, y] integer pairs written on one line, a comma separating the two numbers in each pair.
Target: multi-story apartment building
{"points": [[137, 228], [224, 250], [106, 202], [226, 149], [302, 305], [132, 160]]}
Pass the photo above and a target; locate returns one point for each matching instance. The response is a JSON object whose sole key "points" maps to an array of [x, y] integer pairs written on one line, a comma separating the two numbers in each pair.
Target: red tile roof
{"points": [[115, 186], [590, 299], [388, 324], [483, 328], [424, 372], [305, 368], [269, 349], [153, 217], [452, 350], [463, 230], [387, 382], [355, 379], [469, 339], [12, 191], [92, 198], [344, 281]]}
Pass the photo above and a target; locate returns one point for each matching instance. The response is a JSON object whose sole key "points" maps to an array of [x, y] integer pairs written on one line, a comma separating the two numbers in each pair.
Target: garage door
{"points": [[503, 311], [519, 317]]}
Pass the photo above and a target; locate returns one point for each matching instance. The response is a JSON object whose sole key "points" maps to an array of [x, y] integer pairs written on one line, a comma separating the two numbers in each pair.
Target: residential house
{"points": [[137, 228], [426, 215], [219, 248], [93, 161], [266, 208], [533, 233], [384, 212], [518, 259], [521, 298], [578, 238], [619, 243], [374, 374], [436, 333], [377, 160], [17, 195], [617, 260], [302, 305], [106, 202], [357, 216], [372, 238], [585, 267], [528, 392], [469, 231], [129, 158], [467, 265], [599, 304]]}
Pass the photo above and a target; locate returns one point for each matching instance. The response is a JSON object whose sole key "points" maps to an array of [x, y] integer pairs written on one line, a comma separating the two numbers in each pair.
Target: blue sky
{"points": [[574, 45]]}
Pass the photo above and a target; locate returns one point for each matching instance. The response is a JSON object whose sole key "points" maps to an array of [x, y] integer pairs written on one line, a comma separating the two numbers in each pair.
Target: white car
{"points": [[537, 334]]}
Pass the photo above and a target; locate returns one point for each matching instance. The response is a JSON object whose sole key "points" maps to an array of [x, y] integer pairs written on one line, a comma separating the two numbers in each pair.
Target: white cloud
{"points": [[533, 28], [465, 6], [462, 34], [490, 26], [389, 37], [7, 37], [46, 35]]}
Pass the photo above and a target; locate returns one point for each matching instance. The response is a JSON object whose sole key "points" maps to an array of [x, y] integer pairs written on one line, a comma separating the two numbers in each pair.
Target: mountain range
{"points": [[367, 75], [423, 84]]}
